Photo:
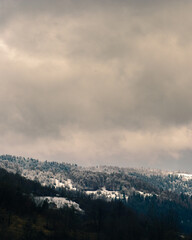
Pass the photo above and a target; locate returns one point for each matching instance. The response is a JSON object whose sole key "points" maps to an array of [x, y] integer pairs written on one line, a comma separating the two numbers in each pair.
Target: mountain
{"points": [[141, 204], [100, 182]]}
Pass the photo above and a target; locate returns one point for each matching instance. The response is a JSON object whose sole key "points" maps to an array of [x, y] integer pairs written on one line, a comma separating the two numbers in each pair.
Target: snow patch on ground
{"points": [[104, 193], [144, 194], [69, 184], [185, 176], [58, 201], [64, 183], [48, 179]]}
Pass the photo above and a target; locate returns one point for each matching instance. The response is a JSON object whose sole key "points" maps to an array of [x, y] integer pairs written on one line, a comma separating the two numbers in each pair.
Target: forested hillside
{"points": [[123, 182], [154, 215], [137, 218]]}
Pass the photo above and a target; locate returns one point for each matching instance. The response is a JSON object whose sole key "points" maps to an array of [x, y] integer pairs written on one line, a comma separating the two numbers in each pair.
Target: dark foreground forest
{"points": [[137, 218]]}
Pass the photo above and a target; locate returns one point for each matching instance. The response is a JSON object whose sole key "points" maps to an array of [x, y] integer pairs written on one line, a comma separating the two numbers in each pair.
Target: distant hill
{"points": [[101, 182], [139, 205]]}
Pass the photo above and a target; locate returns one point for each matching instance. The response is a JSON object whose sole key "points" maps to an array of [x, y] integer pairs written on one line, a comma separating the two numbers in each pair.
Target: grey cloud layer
{"points": [[73, 69]]}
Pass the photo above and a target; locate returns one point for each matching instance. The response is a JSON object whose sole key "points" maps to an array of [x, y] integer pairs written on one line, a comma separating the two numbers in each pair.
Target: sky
{"points": [[101, 82]]}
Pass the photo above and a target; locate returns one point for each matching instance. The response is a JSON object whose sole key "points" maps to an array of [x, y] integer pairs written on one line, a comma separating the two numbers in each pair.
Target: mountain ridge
{"points": [[116, 209], [102, 181]]}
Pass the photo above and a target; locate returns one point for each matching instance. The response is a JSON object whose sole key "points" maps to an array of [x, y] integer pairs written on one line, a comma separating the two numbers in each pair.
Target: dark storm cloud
{"points": [[79, 78]]}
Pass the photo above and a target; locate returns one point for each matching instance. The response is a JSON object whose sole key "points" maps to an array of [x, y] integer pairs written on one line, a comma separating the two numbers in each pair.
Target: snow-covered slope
{"points": [[100, 182], [106, 194], [57, 202], [185, 176]]}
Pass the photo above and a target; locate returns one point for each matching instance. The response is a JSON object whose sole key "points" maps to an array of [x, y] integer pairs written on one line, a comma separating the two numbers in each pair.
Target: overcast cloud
{"points": [[97, 82]]}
